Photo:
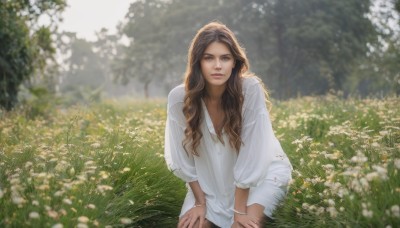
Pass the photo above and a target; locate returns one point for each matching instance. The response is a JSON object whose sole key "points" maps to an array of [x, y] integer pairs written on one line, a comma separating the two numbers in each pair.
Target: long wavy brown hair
{"points": [[232, 98]]}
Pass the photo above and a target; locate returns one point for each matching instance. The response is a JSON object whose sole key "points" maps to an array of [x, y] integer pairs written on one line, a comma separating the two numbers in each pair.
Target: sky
{"points": [[85, 17]]}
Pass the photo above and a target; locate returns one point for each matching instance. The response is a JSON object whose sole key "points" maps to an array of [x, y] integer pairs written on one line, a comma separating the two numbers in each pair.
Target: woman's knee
{"points": [[236, 225], [206, 224]]}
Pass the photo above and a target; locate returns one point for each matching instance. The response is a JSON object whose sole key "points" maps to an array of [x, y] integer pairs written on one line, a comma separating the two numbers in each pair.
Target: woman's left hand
{"points": [[196, 214], [247, 221]]}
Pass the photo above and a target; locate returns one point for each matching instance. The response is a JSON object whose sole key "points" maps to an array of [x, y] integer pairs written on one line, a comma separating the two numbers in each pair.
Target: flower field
{"points": [[102, 165]]}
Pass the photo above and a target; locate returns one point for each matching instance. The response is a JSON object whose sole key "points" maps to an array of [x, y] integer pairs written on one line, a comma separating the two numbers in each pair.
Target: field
{"points": [[102, 165]]}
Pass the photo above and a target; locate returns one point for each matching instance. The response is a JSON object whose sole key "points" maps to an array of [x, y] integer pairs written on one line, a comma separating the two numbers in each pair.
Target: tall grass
{"points": [[346, 158], [94, 166], [102, 165]]}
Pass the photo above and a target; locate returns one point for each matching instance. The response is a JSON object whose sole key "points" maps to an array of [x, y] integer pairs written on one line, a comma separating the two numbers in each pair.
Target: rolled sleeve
{"points": [[256, 154], [178, 161]]}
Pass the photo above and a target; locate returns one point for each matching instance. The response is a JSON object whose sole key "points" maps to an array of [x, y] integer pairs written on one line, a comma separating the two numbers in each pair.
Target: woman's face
{"points": [[217, 63]]}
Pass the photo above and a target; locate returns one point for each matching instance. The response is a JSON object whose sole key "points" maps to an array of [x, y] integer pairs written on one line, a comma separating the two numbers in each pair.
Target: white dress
{"points": [[261, 164]]}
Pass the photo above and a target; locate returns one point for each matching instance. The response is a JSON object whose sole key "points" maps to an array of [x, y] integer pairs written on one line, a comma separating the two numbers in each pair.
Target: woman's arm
{"points": [[198, 193], [241, 195], [241, 215]]}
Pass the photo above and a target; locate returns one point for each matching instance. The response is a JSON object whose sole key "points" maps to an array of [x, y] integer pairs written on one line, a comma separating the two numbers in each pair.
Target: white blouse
{"points": [[219, 168]]}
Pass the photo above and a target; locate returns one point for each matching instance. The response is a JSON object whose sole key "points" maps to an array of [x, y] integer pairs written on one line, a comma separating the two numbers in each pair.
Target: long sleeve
{"points": [[260, 144], [178, 161]]}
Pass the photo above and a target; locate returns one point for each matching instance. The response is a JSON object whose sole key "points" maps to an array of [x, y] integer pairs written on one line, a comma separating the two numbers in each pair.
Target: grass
{"points": [[102, 165]]}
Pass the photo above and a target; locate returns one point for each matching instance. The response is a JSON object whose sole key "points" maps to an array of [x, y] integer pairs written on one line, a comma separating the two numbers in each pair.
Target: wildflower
{"points": [[104, 174], [372, 176], [58, 225], [383, 133], [91, 206], [375, 144], [67, 201], [83, 219], [320, 210], [52, 214], [305, 206], [126, 221], [381, 171], [34, 215], [331, 202], [359, 158], [332, 211], [58, 193], [35, 203], [395, 211], [95, 145], [126, 169], [103, 188], [28, 164], [18, 200], [71, 171], [397, 163], [82, 225], [367, 213]]}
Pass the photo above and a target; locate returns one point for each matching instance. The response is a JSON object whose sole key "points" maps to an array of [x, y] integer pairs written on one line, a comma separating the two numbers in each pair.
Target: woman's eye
{"points": [[226, 58]]}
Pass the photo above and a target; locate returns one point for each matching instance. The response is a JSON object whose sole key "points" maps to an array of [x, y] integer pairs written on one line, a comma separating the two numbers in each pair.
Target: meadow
{"points": [[101, 165]]}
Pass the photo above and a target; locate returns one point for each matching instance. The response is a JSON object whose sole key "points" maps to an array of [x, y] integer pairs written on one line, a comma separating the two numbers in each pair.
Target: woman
{"points": [[219, 139]]}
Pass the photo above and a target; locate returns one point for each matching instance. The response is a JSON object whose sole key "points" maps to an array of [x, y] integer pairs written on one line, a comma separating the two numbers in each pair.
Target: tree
{"points": [[298, 47], [379, 71], [24, 45]]}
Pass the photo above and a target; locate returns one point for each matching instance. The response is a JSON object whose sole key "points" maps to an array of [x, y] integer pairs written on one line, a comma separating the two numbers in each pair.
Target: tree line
{"points": [[298, 48]]}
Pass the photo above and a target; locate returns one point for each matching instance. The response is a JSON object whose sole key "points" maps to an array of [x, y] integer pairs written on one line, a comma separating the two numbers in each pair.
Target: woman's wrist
{"points": [[199, 205], [237, 212]]}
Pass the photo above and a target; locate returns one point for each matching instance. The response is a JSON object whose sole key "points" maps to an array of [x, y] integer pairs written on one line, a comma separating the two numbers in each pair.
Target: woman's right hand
{"points": [[195, 214]]}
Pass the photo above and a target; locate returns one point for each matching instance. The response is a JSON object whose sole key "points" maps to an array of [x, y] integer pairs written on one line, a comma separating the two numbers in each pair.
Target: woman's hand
{"points": [[246, 221], [196, 214]]}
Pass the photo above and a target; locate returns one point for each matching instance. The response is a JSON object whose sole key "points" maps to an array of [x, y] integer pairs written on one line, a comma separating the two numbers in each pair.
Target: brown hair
{"points": [[232, 98]]}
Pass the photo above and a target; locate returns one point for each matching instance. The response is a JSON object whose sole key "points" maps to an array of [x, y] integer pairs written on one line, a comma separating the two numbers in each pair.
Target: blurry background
{"points": [[114, 49]]}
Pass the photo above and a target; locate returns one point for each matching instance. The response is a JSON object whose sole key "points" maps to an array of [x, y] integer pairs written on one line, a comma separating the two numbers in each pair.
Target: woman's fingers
{"points": [[192, 221], [184, 222]]}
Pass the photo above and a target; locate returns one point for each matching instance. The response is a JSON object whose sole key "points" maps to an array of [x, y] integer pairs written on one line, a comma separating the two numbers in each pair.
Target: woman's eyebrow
{"points": [[227, 54]]}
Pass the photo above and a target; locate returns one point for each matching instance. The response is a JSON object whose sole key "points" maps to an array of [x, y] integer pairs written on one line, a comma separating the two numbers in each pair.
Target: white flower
{"points": [[332, 211], [126, 169], [397, 163], [35, 203], [95, 145], [331, 202], [83, 219], [126, 220], [91, 206], [18, 199], [305, 206], [367, 213], [395, 211], [82, 225], [103, 188], [58, 225], [34, 215], [67, 201], [372, 176]]}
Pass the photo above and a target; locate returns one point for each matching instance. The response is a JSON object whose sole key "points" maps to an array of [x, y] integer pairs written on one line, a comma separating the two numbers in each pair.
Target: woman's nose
{"points": [[218, 64]]}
